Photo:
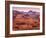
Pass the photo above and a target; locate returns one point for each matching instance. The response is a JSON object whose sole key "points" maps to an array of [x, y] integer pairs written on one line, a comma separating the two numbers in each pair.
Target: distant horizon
{"points": [[29, 12], [26, 9]]}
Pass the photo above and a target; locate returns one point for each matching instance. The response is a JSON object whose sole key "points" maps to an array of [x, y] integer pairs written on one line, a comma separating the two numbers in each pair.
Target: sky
{"points": [[26, 9]]}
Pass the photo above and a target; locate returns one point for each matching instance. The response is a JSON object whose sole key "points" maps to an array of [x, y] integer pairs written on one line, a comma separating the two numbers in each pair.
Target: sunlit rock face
{"points": [[26, 20]]}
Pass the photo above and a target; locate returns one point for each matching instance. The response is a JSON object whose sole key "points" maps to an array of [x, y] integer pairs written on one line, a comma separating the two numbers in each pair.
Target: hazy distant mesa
{"points": [[26, 14]]}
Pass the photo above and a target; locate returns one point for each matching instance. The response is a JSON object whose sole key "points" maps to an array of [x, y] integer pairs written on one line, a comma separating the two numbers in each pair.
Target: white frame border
{"points": [[25, 31]]}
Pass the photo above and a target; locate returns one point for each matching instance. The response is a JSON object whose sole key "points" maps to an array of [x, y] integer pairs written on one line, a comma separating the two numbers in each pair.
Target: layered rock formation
{"points": [[26, 20]]}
